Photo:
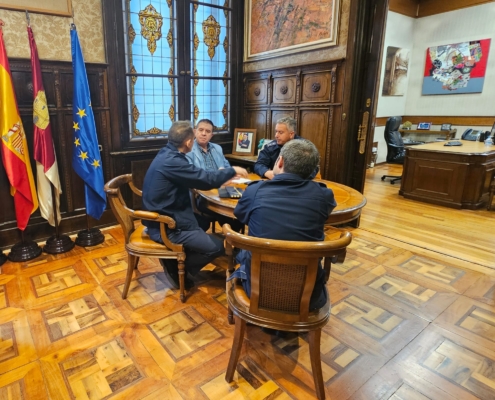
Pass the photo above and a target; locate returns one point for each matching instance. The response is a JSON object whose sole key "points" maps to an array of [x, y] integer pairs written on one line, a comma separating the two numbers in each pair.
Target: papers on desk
{"points": [[241, 180]]}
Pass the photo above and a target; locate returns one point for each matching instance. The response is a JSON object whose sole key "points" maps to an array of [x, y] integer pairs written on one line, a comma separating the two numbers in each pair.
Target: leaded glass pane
{"points": [[210, 47], [151, 50]]}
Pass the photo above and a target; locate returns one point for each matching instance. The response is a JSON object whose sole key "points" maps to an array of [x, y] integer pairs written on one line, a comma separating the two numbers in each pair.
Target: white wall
{"points": [[473, 23], [399, 33]]}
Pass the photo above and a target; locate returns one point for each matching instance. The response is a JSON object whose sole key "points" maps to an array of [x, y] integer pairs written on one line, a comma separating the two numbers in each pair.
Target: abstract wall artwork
{"points": [[396, 67], [456, 68], [274, 28]]}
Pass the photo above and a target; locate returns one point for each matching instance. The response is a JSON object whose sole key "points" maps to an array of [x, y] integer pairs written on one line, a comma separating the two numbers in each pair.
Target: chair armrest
{"points": [[135, 189], [153, 216]]}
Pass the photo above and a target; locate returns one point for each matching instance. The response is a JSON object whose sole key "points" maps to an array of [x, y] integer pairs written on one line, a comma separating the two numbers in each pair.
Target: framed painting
{"points": [[50, 7], [275, 28], [244, 142], [456, 68]]}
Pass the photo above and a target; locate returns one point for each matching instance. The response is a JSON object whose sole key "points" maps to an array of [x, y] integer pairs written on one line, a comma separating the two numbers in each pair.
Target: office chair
{"points": [[395, 146]]}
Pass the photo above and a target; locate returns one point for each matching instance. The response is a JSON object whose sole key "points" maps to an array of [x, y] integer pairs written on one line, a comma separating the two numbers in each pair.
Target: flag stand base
{"points": [[89, 237], [58, 244], [24, 251], [3, 258]]}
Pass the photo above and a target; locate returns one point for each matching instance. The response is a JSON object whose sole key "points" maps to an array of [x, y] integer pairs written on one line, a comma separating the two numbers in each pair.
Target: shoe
{"points": [[171, 269]]}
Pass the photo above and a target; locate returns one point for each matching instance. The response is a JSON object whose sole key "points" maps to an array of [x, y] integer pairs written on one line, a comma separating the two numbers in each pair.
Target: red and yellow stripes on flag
{"points": [[15, 153]]}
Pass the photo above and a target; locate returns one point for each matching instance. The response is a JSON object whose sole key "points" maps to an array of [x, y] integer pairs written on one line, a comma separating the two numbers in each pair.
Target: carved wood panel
{"points": [[316, 87], [256, 91], [256, 119], [313, 125], [284, 90]]}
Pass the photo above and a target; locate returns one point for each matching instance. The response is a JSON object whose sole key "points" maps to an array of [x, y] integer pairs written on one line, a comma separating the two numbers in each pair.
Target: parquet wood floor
{"points": [[411, 318]]}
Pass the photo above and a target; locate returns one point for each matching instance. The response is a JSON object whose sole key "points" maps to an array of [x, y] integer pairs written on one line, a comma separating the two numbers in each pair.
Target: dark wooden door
{"points": [[369, 35]]}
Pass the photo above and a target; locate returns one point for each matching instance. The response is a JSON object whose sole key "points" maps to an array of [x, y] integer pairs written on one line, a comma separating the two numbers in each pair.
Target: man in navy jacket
{"points": [[284, 133], [290, 206], [166, 190]]}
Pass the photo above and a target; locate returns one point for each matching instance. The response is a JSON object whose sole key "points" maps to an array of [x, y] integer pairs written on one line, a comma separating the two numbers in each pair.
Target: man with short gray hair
{"points": [[284, 133], [265, 207]]}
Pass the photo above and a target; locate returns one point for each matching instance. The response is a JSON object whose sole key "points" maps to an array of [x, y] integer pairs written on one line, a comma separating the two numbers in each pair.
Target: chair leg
{"points": [[230, 316], [182, 273], [132, 263], [314, 353], [240, 327]]}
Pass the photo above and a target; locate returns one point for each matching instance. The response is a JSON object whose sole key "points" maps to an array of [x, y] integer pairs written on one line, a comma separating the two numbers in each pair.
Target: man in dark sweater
{"points": [[166, 190], [266, 205], [284, 133]]}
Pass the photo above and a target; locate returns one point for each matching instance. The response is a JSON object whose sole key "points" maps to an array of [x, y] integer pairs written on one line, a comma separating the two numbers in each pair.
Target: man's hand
{"points": [[269, 174], [240, 172]]}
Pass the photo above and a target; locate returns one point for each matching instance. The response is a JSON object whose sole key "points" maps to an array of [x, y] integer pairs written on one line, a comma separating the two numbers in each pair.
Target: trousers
{"points": [[201, 248]]}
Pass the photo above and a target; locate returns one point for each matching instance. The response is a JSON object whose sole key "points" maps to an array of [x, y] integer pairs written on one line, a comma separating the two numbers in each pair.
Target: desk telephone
{"points": [[471, 134]]}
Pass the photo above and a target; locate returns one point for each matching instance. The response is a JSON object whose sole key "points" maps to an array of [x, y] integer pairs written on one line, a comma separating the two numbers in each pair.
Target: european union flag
{"points": [[86, 159]]}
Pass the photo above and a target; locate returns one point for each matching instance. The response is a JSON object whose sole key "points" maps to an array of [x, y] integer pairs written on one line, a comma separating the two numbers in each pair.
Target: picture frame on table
{"points": [[264, 20], [244, 142], [424, 126], [446, 127]]}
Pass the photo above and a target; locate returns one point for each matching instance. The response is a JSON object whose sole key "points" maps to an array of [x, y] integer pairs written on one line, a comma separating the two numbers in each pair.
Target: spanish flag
{"points": [[15, 153]]}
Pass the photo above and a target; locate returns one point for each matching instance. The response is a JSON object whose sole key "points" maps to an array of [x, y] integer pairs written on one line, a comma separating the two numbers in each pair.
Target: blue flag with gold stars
{"points": [[86, 159]]}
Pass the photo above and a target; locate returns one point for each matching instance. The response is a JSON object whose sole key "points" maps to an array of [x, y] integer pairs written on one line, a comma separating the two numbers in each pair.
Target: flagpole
{"points": [[58, 243], [86, 157]]}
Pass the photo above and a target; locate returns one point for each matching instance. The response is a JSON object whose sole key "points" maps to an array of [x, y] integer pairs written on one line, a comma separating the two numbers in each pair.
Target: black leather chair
{"points": [[395, 146]]}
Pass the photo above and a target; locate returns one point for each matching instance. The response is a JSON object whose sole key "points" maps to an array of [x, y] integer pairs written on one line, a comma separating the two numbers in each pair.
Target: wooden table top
{"points": [[468, 147], [349, 201]]}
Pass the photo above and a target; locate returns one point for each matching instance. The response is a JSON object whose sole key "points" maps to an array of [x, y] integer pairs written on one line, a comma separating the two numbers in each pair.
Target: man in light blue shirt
{"points": [[209, 156], [206, 155]]}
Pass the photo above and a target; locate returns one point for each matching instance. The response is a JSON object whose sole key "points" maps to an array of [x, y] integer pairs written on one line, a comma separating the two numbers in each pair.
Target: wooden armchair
{"points": [[283, 275], [137, 242]]}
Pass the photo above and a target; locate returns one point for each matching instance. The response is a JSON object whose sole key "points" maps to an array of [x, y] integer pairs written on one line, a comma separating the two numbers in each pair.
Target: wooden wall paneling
{"points": [[256, 119], [432, 7], [57, 79], [404, 7], [256, 91], [316, 87], [284, 90], [314, 126]]}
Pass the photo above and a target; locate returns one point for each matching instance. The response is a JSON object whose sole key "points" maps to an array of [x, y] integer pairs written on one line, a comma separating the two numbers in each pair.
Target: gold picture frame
{"points": [[50, 7], [269, 28], [244, 142]]}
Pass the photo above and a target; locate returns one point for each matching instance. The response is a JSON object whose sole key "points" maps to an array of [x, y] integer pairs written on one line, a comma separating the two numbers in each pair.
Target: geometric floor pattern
{"points": [[404, 324]]}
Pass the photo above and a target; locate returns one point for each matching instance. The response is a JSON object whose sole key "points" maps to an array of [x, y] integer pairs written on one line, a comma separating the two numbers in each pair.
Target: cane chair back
{"points": [[137, 241], [283, 275]]}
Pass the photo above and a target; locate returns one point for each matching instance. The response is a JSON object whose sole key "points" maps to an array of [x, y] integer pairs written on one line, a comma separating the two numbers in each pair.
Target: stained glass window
{"points": [[154, 54]]}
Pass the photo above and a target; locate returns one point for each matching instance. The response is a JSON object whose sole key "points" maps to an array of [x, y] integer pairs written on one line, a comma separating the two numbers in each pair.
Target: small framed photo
{"points": [[446, 127], [424, 126], [244, 142]]}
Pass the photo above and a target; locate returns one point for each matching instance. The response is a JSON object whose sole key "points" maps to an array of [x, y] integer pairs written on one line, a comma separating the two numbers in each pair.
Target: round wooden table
{"points": [[349, 201]]}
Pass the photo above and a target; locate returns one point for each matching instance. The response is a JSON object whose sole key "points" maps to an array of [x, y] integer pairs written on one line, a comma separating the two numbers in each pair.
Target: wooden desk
{"points": [[456, 176], [421, 132], [349, 202]]}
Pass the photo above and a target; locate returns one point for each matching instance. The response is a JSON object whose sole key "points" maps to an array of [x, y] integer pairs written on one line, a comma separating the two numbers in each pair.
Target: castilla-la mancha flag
{"points": [[15, 153], [44, 151]]}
